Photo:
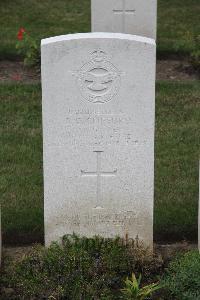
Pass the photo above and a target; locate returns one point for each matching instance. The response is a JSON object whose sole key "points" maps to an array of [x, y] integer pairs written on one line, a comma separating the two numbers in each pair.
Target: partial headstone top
{"points": [[138, 17], [98, 130]]}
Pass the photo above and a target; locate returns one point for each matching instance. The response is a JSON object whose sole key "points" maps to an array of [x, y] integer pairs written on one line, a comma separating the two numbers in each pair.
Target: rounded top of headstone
{"points": [[98, 35]]}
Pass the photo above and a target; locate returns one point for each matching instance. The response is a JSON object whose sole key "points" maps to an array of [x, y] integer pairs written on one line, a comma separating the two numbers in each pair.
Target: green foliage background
{"points": [[182, 279], [178, 22]]}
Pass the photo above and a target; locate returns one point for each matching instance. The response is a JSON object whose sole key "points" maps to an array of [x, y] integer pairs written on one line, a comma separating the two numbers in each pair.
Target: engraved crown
{"points": [[98, 55]]}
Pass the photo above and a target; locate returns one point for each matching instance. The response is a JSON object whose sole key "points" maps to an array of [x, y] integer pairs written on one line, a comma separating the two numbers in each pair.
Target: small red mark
{"points": [[16, 77]]}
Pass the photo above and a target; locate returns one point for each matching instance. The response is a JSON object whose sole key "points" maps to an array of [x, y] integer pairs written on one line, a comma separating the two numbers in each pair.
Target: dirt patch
{"points": [[16, 253], [14, 71], [167, 251], [178, 70], [169, 69]]}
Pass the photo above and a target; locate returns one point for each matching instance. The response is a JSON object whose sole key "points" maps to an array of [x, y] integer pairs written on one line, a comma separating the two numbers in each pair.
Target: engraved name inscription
{"points": [[100, 128]]}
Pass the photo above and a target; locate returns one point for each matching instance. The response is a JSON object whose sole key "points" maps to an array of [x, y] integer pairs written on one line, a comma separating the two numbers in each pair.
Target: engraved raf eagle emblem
{"points": [[98, 80]]}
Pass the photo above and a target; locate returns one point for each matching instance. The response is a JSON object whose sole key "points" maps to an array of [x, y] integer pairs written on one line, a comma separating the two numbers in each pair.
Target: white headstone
{"points": [[98, 130], [137, 17]]}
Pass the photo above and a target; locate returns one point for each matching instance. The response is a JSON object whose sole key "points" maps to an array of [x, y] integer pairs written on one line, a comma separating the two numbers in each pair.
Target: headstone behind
{"points": [[126, 16], [98, 130]]}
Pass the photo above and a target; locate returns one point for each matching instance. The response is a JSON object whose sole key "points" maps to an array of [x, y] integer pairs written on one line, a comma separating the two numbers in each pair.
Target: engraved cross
{"points": [[98, 174], [123, 13]]}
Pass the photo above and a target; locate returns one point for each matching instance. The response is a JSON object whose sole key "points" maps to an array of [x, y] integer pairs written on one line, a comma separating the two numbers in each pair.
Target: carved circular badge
{"points": [[98, 80]]}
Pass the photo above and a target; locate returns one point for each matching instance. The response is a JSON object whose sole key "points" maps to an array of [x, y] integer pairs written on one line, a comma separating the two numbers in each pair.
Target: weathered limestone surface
{"points": [[98, 131]]}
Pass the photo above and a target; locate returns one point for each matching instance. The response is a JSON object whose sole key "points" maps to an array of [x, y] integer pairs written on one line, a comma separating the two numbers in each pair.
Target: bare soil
{"points": [[169, 69], [15, 253], [167, 251], [179, 70], [15, 71]]}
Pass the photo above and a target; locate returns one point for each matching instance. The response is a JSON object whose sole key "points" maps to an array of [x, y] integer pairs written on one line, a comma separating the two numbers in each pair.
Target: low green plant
{"points": [[28, 48], [185, 42], [192, 42], [182, 278], [133, 291], [80, 268]]}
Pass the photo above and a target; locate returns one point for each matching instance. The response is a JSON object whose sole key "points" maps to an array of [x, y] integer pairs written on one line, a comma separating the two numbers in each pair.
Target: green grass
{"points": [[41, 19], [178, 22], [21, 161], [181, 279], [177, 159], [177, 154]]}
